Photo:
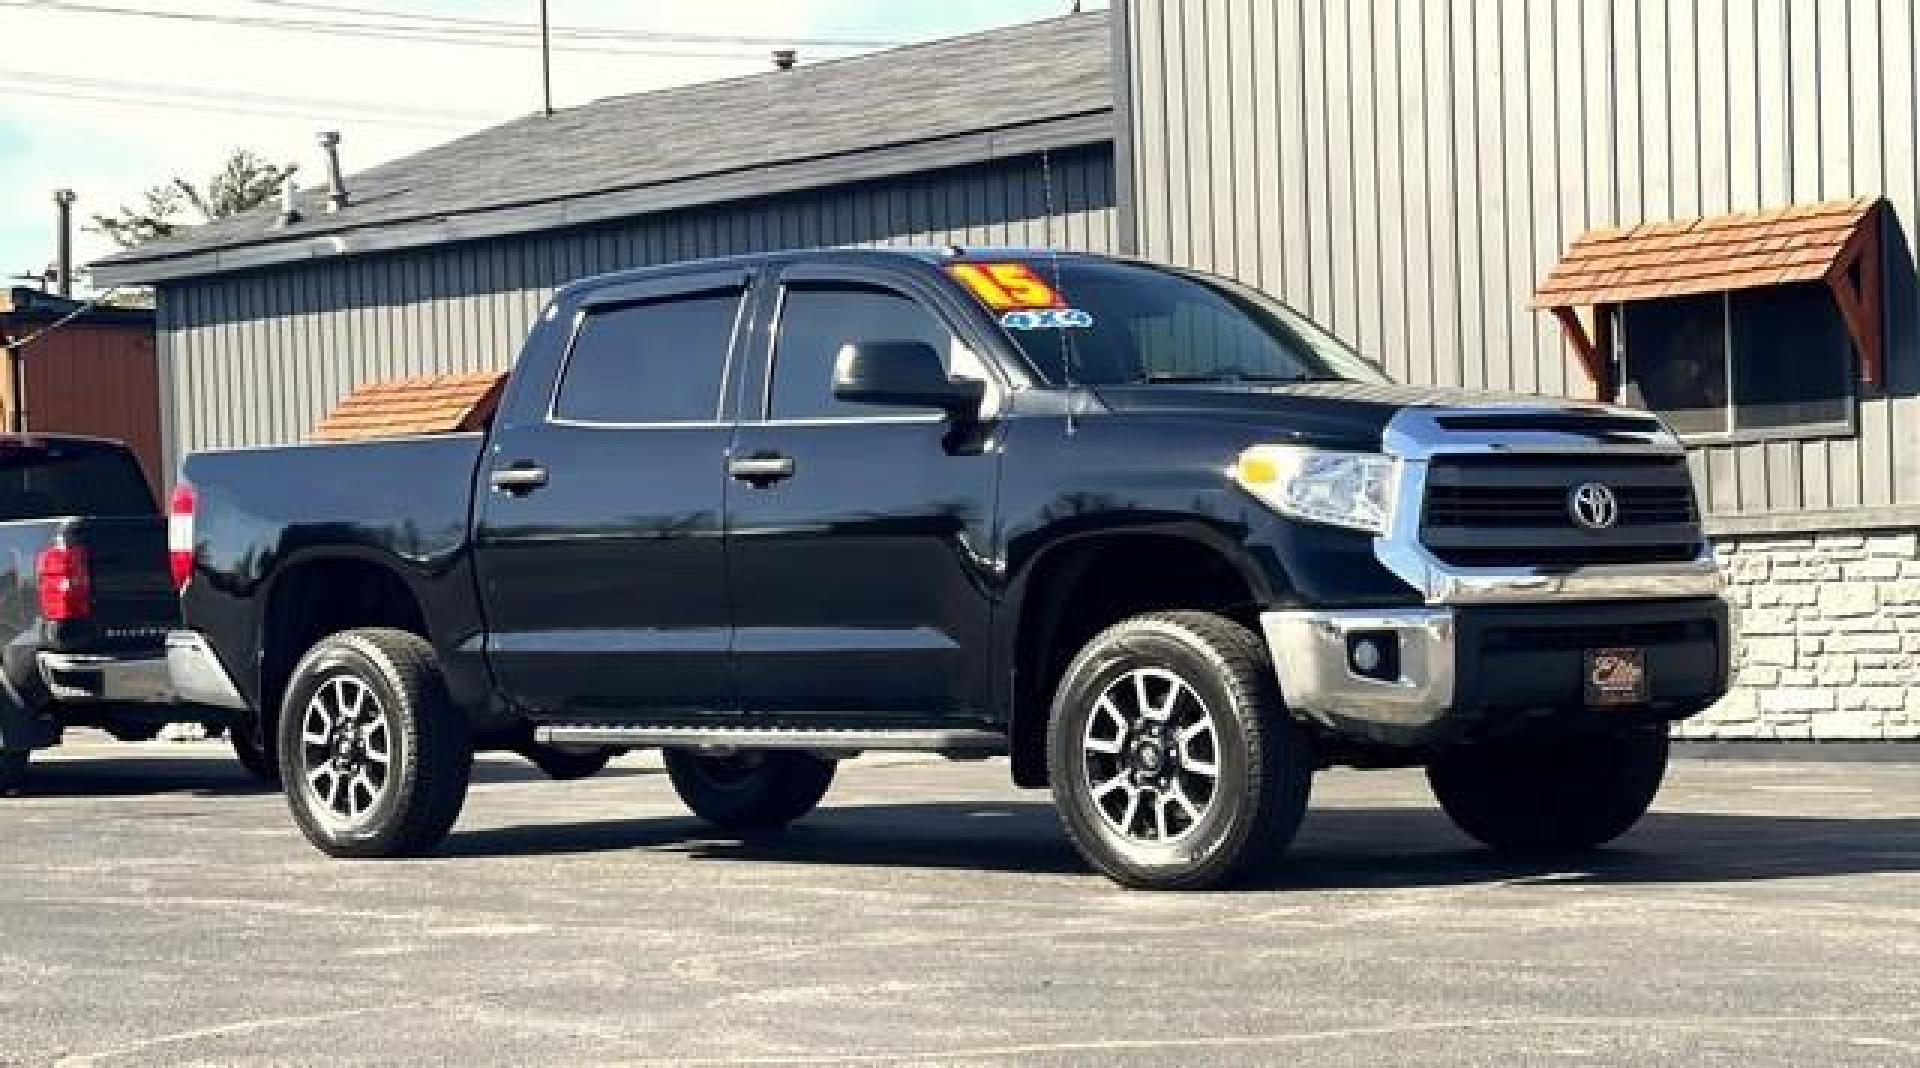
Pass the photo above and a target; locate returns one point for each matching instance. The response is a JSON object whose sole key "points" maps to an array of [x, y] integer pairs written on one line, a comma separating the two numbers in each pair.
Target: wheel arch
{"points": [[1081, 581]]}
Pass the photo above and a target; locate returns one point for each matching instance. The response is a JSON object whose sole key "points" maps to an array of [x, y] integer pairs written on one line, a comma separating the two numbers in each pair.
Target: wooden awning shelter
{"points": [[1836, 242], [429, 404]]}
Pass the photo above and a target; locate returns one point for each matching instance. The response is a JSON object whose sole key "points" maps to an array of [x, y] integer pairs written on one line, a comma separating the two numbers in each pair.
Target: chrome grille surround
{"points": [[1577, 432]]}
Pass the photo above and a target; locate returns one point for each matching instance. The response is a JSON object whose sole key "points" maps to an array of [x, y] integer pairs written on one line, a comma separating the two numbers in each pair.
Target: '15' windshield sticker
{"points": [[1047, 319], [1006, 286]]}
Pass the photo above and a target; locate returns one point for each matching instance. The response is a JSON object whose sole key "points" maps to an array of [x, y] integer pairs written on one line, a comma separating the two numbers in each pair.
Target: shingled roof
{"points": [[1716, 254], [1008, 91], [429, 404]]}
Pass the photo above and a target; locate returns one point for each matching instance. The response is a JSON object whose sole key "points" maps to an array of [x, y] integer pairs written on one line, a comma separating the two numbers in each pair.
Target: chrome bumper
{"points": [[92, 677], [1317, 678], [197, 675]]}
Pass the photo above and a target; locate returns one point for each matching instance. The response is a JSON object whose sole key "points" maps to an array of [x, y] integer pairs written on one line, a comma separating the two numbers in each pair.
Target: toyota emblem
{"points": [[1593, 506]]}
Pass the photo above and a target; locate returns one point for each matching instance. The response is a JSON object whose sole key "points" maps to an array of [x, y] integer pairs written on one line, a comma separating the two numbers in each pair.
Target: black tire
{"points": [[427, 743], [1262, 761], [750, 791], [565, 765], [1571, 793], [261, 761], [13, 770]]}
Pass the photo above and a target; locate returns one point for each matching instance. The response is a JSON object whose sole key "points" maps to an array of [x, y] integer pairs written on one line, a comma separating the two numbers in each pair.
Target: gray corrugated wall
{"points": [[1407, 171], [260, 356]]}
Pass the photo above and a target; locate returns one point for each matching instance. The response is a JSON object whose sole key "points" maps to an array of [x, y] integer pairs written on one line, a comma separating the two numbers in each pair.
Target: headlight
{"points": [[1344, 489]]}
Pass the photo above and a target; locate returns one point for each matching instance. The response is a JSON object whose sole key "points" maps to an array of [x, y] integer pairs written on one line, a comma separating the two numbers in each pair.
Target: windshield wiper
{"points": [[1157, 377]]}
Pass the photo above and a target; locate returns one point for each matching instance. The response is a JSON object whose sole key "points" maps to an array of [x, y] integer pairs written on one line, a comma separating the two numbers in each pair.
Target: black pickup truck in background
{"points": [[86, 600], [1151, 534]]}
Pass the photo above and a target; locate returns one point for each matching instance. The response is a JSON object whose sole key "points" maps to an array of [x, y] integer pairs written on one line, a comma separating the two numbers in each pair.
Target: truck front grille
{"points": [[1499, 510]]}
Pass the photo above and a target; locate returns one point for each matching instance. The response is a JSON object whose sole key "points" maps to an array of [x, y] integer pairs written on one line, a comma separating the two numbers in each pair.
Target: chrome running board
{"points": [[950, 740]]}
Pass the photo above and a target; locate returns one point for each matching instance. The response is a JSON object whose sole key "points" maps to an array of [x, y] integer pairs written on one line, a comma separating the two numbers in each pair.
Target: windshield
{"points": [[42, 480], [1107, 322]]}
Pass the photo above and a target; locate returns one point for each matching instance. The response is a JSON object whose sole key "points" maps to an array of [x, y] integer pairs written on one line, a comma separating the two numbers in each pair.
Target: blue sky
{"points": [[148, 97]]}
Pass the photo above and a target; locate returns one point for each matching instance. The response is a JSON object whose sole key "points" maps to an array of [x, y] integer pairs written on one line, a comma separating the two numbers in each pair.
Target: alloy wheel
{"points": [[1151, 756], [347, 749]]}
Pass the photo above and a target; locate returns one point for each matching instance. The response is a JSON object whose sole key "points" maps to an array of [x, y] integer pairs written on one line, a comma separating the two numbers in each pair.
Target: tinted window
{"points": [[1104, 322], [1677, 361], [1794, 356], [659, 362], [54, 479], [816, 322], [1758, 359]]}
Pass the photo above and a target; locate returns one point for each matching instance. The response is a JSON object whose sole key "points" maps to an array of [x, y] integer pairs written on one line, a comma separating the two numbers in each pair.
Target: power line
{"points": [[131, 100], [472, 37], [602, 32], [42, 79]]}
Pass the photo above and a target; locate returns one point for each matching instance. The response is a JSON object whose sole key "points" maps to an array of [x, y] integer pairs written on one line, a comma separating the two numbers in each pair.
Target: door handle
{"points": [[519, 479], [762, 471]]}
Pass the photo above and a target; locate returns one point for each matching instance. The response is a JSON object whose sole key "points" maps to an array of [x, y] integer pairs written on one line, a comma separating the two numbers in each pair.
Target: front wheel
{"points": [[374, 756], [1174, 764], [13, 770], [752, 790], [1571, 793]]}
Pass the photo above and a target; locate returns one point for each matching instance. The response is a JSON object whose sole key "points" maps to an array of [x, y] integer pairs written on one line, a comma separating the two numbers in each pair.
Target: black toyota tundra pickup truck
{"points": [[85, 597], [1149, 533]]}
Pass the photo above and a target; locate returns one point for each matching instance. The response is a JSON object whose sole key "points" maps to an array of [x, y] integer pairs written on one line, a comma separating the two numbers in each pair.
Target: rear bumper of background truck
{"points": [[130, 678], [1444, 673]]}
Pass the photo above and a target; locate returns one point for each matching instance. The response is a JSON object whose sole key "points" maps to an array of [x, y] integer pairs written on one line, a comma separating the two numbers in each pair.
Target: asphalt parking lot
{"points": [[155, 907]]}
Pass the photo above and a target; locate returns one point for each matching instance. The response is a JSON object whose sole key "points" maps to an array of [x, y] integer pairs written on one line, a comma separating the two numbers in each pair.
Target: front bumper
{"points": [[84, 677], [1451, 672]]}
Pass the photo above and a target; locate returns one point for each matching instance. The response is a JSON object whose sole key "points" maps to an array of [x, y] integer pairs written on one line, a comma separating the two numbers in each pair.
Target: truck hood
{"points": [[1332, 414]]}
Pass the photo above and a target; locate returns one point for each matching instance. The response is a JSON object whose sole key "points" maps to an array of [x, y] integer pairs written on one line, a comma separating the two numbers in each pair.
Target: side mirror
{"points": [[903, 373]]}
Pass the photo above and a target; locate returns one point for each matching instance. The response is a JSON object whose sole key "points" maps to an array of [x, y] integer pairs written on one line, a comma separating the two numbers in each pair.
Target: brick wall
{"points": [[1829, 637]]}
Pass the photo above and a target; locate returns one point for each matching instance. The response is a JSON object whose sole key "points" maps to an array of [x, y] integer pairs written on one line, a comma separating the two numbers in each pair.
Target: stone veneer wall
{"points": [[1829, 628]]}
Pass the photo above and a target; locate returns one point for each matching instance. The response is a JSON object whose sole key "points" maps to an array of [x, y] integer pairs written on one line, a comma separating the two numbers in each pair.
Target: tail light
{"points": [[66, 587], [180, 532]]}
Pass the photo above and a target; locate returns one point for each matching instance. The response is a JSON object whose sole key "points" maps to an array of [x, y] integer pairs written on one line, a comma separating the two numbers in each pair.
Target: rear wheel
{"points": [[1173, 763], [13, 769], [568, 764], [375, 757], [750, 790], [1571, 793]]}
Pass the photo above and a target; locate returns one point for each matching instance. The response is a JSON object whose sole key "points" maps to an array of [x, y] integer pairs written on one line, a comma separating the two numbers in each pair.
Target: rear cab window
{"points": [[46, 479]]}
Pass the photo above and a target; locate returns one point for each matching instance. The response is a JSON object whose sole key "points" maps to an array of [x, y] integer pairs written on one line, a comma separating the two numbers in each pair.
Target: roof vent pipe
{"points": [[289, 201], [63, 242], [785, 58], [336, 186]]}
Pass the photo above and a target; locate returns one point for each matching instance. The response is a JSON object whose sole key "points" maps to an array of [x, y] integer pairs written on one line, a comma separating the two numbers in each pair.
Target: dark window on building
{"points": [[658, 362], [1774, 360], [815, 321], [41, 481]]}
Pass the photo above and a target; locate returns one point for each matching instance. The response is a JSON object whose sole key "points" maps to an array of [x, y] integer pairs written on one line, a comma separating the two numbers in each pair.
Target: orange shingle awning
{"points": [[430, 404], [1720, 254]]}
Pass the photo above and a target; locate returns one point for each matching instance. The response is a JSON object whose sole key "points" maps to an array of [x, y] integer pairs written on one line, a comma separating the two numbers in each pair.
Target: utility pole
{"points": [[546, 64]]}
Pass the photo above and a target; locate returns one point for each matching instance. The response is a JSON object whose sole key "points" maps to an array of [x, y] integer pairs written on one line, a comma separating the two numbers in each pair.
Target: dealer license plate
{"points": [[1616, 677]]}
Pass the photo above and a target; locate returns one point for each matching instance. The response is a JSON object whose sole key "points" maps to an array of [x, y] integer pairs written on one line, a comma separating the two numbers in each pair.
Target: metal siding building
{"points": [[1407, 171], [440, 262], [1435, 158]]}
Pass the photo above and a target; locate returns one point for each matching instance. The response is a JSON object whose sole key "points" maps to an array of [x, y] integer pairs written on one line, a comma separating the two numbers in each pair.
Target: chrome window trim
{"points": [[1415, 436]]}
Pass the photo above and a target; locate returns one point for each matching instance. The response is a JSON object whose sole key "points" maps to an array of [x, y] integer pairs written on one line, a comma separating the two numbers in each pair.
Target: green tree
{"points": [[245, 181]]}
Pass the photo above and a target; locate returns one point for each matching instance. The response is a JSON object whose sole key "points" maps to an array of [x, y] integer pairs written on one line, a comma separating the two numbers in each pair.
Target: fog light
{"points": [[1374, 654], [1366, 656]]}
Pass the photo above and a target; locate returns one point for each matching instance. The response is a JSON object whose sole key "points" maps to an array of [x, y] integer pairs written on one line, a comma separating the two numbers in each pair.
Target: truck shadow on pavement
{"points": [[193, 774], [1340, 848]]}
